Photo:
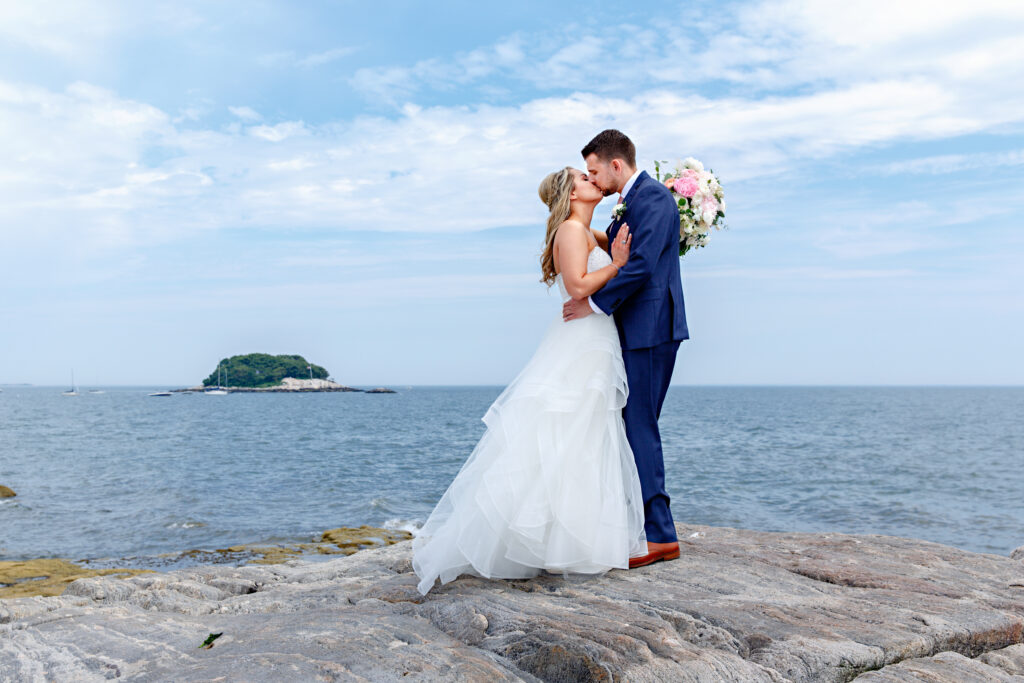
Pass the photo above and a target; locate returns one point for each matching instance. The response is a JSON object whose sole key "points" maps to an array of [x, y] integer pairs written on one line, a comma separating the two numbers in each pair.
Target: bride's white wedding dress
{"points": [[552, 484]]}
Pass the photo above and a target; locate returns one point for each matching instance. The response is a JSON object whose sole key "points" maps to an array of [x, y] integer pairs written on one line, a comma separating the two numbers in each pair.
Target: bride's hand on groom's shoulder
{"points": [[620, 246]]}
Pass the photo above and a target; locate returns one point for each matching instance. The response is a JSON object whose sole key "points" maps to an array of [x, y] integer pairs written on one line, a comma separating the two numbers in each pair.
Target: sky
{"points": [[357, 183]]}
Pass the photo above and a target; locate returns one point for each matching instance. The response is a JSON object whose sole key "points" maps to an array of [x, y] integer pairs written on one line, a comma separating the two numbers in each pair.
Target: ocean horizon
{"points": [[173, 385]]}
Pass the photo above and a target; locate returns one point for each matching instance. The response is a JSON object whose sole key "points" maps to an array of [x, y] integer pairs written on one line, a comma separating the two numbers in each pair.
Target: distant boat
{"points": [[96, 391], [73, 391], [218, 390], [161, 393]]}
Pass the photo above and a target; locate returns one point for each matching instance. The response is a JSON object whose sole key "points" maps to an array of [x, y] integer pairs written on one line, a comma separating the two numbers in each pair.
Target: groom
{"points": [[646, 298]]}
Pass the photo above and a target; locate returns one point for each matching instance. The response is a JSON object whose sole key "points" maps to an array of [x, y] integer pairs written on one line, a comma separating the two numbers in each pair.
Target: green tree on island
{"points": [[262, 370]]}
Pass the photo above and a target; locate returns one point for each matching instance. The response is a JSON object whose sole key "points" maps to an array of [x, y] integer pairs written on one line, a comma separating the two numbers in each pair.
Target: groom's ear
{"points": [[616, 165]]}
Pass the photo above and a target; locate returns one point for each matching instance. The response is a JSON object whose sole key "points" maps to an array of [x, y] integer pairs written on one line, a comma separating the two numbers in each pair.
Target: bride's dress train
{"points": [[552, 484]]}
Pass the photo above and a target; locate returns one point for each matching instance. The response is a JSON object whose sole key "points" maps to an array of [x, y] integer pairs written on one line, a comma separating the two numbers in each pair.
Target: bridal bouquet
{"points": [[700, 198]]}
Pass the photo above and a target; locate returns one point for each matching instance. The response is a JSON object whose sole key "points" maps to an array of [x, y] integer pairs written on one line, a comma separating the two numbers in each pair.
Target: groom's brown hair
{"points": [[611, 144]]}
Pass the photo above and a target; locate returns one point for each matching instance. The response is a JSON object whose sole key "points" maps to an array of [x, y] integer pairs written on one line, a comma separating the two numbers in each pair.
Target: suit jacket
{"points": [[646, 297]]}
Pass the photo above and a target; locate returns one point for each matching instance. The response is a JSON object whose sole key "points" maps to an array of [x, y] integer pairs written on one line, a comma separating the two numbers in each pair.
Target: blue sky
{"points": [[356, 183]]}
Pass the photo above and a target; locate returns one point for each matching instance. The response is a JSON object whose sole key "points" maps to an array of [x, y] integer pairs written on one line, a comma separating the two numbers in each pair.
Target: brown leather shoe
{"points": [[656, 552]]}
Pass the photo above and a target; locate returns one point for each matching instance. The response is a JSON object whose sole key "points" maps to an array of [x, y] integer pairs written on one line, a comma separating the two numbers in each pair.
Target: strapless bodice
{"points": [[598, 258]]}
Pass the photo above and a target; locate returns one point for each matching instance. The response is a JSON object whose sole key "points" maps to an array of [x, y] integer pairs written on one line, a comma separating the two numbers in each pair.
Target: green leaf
{"points": [[208, 643]]}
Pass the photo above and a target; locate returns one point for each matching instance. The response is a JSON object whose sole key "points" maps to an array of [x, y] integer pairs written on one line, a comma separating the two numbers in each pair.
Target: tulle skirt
{"points": [[552, 484]]}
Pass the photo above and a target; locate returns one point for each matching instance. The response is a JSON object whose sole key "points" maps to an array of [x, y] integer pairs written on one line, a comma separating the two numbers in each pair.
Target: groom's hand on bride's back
{"points": [[574, 309]]}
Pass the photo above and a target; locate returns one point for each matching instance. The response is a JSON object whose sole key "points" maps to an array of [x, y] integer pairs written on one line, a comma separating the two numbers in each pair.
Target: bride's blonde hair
{"points": [[554, 191]]}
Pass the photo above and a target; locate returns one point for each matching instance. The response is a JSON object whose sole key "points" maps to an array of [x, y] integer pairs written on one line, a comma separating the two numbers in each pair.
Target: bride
{"points": [[552, 484]]}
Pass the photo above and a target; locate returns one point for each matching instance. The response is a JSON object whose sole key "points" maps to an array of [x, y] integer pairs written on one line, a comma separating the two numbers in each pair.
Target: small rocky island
{"points": [[262, 372]]}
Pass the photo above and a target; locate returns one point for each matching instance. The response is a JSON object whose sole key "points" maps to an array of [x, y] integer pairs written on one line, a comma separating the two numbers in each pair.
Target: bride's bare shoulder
{"points": [[570, 229]]}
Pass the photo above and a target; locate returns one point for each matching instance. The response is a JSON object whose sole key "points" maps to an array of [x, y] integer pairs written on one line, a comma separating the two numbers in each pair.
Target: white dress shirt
{"points": [[625, 190]]}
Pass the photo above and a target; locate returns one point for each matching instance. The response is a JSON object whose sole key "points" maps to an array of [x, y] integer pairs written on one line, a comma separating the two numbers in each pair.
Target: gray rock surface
{"points": [[1001, 665], [737, 606]]}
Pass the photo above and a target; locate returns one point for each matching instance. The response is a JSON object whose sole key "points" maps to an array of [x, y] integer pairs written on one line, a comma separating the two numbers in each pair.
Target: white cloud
{"points": [[81, 31], [440, 169], [279, 132], [874, 23], [245, 113], [766, 46], [951, 163], [802, 273], [60, 27], [320, 58], [296, 164], [75, 158], [313, 59]]}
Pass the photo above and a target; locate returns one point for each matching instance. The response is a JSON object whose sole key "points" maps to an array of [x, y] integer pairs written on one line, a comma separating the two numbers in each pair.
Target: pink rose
{"points": [[709, 209], [685, 186]]}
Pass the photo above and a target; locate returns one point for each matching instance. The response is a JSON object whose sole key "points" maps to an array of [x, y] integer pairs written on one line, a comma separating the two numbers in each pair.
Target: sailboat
{"points": [[73, 391], [218, 390]]}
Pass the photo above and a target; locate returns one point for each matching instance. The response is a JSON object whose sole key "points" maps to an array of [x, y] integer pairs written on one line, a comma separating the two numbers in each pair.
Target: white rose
{"points": [[690, 162]]}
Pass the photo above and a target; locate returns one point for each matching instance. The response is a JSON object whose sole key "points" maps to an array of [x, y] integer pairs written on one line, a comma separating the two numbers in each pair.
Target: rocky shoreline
{"points": [[51, 576], [737, 606]]}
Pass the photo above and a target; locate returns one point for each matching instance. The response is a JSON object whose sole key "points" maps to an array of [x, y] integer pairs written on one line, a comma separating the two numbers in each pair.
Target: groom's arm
{"points": [[648, 221]]}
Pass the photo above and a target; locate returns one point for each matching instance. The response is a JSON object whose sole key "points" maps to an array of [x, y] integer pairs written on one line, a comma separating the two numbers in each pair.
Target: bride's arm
{"points": [[601, 237], [573, 250]]}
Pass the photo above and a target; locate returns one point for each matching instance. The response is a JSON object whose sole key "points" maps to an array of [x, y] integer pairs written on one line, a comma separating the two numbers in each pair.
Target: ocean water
{"points": [[124, 475]]}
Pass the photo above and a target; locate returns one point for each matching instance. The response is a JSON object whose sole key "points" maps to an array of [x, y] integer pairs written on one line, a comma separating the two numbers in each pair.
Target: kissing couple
{"points": [[569, 474]]}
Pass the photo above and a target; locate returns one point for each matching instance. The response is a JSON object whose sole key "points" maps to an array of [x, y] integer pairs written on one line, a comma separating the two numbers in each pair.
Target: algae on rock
{"points": [[48, 576]]}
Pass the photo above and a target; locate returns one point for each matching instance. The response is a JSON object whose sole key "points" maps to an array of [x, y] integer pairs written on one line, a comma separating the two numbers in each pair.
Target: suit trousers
{"points": [[648, 373]]}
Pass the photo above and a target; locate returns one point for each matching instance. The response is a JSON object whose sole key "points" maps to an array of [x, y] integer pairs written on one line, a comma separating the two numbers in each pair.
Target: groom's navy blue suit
{"points": [[646, 298]]}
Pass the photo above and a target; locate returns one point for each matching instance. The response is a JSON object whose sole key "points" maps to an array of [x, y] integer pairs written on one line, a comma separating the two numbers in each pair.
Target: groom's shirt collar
{"points": [[629, 184]]}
